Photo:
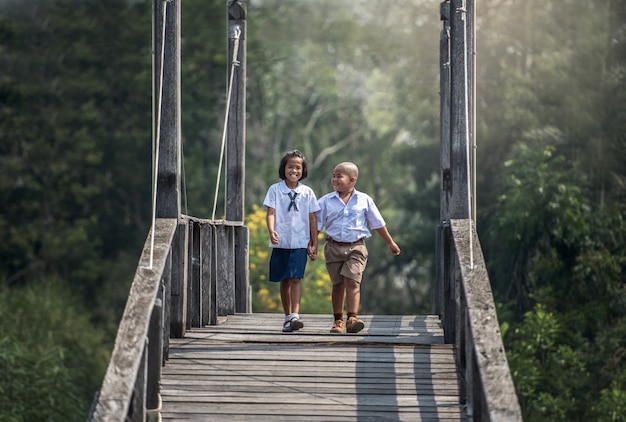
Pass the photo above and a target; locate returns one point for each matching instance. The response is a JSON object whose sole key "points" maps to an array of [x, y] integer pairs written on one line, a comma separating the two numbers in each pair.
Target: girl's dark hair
{"points": [[283, 164]]}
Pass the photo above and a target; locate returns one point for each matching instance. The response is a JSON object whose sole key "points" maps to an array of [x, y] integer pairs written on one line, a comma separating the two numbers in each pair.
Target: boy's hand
{"points": [[274, 237], [312, 251], [394, 248]]}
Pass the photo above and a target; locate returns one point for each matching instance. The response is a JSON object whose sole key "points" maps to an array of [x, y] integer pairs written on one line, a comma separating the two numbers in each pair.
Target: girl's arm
{"points": [[312, 249], [270, 219]]}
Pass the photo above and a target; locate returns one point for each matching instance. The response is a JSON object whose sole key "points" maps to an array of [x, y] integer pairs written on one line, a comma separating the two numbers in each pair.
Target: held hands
{"points": [[311, 250]]}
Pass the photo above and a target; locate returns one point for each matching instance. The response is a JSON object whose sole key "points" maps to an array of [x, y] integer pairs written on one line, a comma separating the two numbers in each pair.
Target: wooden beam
{"points": [[236, 126], [491, 394], [129, 351], [166, 107], [459, 164]]}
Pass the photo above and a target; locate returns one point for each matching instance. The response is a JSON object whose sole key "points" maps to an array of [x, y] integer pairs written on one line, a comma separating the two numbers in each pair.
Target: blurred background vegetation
{"points": [[354, 81]]}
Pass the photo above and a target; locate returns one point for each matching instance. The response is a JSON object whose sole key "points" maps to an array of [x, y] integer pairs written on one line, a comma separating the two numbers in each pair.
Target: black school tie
{"points": [[292, 196]]}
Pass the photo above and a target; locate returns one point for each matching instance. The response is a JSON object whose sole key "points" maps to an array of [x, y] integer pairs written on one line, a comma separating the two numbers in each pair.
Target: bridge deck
{"points": [[246, 369]]}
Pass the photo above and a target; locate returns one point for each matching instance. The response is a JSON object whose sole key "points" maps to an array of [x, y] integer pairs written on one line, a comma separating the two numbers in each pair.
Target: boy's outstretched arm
{"points": [[393, 247], [312, 250]]}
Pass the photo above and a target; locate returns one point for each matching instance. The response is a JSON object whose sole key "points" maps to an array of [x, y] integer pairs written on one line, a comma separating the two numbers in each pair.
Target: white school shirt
{"points": [[292, 226], [348, 222]]}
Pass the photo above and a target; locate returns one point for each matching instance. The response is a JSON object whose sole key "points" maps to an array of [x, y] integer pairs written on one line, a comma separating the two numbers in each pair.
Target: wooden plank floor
{"points": [[246, 369]]}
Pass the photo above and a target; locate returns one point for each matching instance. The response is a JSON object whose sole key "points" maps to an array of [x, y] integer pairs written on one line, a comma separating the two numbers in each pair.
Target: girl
{"points": [[292, 226]]}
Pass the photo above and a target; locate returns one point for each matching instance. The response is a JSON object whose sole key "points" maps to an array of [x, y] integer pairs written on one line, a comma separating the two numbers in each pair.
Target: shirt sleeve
{"points": [[320, 215], [374, 218], [270, 198]]}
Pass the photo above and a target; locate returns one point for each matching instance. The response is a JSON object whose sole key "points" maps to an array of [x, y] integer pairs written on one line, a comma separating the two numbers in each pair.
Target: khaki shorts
{"points": [[347, 260]]}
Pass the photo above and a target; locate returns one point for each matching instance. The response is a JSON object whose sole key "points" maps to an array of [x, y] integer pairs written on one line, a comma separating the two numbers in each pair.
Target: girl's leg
{"points": [[295, 293], [285, 295]]}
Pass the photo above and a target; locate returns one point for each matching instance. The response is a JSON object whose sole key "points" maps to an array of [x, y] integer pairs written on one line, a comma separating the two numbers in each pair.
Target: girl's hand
{"points": [[274, 237]]}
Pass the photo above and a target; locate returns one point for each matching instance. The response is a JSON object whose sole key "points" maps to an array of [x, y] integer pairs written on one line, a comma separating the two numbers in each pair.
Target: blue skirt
{"points": [[287, 263]]}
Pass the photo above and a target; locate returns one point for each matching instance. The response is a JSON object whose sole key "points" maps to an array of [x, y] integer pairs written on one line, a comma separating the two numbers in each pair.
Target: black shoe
{"points": [[296, 324]]}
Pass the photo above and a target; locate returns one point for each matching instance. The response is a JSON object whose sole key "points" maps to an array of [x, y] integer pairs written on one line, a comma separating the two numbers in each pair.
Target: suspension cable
{"points": [[158, 132], [235, 63]]}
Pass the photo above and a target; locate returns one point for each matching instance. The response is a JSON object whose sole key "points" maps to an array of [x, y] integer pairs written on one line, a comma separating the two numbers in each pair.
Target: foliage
{"points": [[564, 269], [551, 375], [552, 217], [350, 92], [341, 81], [77, 114], [51, 356], [316, 286]]}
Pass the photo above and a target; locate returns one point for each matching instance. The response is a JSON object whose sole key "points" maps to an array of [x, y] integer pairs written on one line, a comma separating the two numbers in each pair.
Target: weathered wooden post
{"points": [[236, 130], [437, 297], [166, 111], [471, 101], [236, 148], [166, 107], [459, 134]]}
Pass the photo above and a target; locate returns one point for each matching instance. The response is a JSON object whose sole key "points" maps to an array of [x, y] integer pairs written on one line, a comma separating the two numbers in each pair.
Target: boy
{"points": [[346, 213]]}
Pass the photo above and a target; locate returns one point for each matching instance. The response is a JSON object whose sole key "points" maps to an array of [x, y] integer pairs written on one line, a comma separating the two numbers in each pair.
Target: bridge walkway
{"points": [[245, 369]]}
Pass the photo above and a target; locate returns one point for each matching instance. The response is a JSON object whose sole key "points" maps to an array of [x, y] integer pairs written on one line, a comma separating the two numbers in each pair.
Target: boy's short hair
{"points": [[350, 168], [283, 164]]}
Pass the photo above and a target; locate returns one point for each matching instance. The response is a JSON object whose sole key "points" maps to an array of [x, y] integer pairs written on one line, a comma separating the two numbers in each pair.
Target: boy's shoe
{"points": [[287, 327], [337, 327], [296, 324], [354, 325]]}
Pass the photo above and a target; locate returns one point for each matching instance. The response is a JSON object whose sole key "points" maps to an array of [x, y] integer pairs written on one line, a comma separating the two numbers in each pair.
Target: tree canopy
{"points": [[340, 81]]}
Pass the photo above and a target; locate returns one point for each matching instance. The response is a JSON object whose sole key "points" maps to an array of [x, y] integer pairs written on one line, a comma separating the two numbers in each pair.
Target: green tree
{"points": [[564, 267], [52, 358], [74, 93]]}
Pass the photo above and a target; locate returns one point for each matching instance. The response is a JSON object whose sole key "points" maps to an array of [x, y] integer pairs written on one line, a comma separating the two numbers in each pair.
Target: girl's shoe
{"points": [[296, 324], [293, 324]]}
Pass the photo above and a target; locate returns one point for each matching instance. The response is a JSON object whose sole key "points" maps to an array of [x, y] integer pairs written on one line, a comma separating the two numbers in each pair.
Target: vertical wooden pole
{"points": [[459, 147], [243, 302], [471, 101], [178, 323], [155, 354], [437, 296], [236, 130], [444, 93], [166, 104]]}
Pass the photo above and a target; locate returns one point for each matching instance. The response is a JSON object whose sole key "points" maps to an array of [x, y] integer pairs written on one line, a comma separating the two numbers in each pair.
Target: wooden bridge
{"points": [[189, 347]]}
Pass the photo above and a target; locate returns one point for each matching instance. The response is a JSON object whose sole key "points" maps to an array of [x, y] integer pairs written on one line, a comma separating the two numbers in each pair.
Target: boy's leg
{"points": [[353, 299], [338, 297], [353, 295]]}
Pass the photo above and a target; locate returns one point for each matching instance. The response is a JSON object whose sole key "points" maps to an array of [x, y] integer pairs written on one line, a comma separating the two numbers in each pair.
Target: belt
{"points": [[330, 239]]}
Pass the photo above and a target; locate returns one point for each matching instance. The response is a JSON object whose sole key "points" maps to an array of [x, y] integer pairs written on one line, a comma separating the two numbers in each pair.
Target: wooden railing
{"points": [[465, 303], [193, 272]]}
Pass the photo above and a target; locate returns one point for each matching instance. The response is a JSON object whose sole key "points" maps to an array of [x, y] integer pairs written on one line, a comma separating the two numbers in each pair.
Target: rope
{"points": [[158, 134], [235, 63]]}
